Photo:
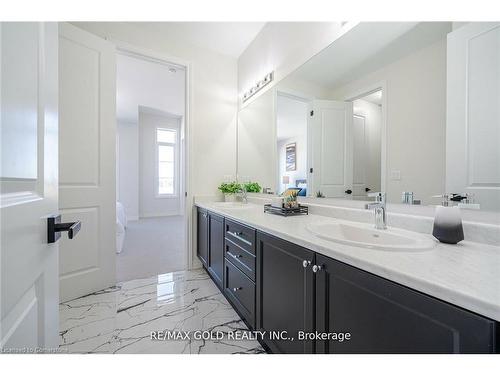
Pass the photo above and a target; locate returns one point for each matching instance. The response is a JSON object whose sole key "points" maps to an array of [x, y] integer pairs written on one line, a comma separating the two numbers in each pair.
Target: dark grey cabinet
{"points": [[281, 288], [210, 244], [202, 237], [240, 290], [285, 294], [239, 271], [384, 317], [216, 247]]}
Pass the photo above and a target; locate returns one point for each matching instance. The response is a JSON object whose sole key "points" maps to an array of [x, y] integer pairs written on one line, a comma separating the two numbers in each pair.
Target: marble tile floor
{"points": [[120, 319]]}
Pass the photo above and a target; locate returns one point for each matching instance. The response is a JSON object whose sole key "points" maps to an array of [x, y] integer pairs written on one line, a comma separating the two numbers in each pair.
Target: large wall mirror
{"points": [[369, 114]]}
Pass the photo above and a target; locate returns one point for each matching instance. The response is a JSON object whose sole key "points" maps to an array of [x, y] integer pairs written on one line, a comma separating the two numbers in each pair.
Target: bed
{"points": [[121, 225]]}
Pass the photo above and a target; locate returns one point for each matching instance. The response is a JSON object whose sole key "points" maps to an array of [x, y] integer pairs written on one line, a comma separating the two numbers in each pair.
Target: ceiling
{"points": [[227, 38], [291, 118], [148, 84], [368, 47]]}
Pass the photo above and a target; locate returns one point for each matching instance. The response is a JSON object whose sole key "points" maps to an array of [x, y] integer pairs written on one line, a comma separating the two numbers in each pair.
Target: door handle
{"points": [[55, 227], [348, 191]]}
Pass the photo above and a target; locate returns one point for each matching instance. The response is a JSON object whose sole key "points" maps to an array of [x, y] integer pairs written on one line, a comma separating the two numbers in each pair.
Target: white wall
{"points": [[373, 123], [146, 83], [213, 100], [150, 205], [282, 47], [128, 168], [416, 118]]}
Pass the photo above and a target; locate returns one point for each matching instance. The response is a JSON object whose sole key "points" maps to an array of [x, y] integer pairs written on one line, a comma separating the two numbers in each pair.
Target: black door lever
{"points": [[55, 227]]}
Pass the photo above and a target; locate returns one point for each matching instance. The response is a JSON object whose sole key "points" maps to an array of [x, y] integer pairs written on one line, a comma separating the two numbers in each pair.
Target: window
{"points": [[166, 143]]}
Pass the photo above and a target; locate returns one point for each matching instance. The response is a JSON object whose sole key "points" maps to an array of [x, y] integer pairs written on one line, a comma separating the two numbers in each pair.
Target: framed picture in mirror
{"points": [[291, 157]]}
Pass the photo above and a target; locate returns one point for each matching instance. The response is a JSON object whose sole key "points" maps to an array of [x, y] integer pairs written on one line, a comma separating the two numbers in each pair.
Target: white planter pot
{"points": [[229, 198]]}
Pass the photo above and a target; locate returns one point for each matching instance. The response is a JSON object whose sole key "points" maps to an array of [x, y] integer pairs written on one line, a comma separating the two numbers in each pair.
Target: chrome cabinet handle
{"points": [[239, 235], [316, 268], [306, 263], [236, 289], [233, 255]]}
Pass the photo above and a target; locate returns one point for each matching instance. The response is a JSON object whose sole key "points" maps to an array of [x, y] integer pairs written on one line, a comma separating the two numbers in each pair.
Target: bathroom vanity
{"points": [[280, 277]]}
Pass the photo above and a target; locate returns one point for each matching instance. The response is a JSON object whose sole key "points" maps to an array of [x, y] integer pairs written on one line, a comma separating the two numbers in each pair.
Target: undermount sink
{"points": [[363, 235], [230, 205]]}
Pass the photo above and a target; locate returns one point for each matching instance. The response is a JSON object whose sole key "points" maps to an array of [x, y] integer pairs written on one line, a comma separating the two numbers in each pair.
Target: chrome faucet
{"points": [[379, 207], [243, 194]]}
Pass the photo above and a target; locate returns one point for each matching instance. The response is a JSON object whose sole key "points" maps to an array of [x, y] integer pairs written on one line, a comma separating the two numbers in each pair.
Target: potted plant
{"points": [[229, 189], [252, 187]]}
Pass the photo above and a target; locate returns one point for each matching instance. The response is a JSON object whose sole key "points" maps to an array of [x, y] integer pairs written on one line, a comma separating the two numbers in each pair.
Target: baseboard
{"points": [[145, 216]]}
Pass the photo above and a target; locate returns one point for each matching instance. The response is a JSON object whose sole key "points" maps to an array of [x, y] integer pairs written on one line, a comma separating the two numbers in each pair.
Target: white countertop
{"points": [[466, 274]]}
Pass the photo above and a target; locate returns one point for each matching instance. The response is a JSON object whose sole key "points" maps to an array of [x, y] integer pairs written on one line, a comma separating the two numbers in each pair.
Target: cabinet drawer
{"points": [[240, 258], [241, 235], [241, 291]]}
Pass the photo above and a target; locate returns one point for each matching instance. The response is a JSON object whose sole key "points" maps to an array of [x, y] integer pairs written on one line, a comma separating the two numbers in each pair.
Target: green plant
{"points": [[319, 194], [229, 187], [252, 187]]}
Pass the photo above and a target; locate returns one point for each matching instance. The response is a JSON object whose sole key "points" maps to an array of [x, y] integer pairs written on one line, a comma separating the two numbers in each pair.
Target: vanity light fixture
{"points": [[260, 85]]}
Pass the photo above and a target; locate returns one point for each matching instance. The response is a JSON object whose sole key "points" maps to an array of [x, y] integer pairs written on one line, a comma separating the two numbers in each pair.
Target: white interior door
{"points": [[330, 129], [473, 113], [87, 176], [359, 156], [29, 274]]}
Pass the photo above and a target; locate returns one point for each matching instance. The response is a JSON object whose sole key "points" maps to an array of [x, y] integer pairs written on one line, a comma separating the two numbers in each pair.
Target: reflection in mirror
{"points": [[366, 114], [291, 137], [366, 130], [256, 136], [384, 108]]}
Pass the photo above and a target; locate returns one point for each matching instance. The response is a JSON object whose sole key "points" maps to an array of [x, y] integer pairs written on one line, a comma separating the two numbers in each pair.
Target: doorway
{"points": [[368, 147], [150, 157], [367, 125], [292, 143]]}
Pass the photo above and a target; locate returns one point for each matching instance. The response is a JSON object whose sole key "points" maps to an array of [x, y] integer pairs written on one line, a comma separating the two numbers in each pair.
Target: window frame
{"points": [[175, 145]]}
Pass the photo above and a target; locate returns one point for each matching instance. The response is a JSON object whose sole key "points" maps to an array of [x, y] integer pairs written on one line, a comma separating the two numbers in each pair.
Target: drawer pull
{"points": [[306, 263], [239, 235], [236, 289], [234, 256]]}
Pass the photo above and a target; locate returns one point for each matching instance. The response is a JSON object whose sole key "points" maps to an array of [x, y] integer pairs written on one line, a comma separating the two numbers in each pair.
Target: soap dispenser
{"points": [[447, 221]]}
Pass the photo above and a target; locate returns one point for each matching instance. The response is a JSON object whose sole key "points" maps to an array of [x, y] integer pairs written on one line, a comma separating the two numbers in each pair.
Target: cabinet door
{"points": [[285, 293], [203, 237], [216, 247], [385, 317]]}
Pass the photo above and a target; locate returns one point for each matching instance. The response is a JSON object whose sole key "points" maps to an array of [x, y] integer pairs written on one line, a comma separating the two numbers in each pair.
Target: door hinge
{"points": [[186, 194], [312, 113], [310, 170]]}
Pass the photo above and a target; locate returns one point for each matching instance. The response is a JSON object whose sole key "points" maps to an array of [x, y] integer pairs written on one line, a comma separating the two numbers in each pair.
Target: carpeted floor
{"points": [[152, 246]]}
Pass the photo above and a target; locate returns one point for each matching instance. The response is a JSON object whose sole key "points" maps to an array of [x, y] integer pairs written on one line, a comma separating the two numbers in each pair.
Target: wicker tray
{"points": [[301, 210]]}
